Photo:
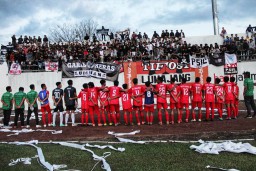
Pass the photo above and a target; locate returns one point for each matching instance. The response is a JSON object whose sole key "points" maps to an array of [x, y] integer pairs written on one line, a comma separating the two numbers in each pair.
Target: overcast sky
{"points": [[35, 17]]}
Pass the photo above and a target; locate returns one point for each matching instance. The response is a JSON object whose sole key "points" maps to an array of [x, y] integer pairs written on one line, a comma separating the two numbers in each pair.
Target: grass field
{"points": [[154, 156]]}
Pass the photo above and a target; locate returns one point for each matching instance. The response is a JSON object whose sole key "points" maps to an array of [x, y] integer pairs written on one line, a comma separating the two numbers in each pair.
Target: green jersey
{"points": [[250, 86], [18, 97], [7, 98], [31, 97]]}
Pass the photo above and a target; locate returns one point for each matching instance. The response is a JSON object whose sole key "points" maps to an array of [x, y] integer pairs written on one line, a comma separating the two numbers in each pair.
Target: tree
{"points": [[69, 32]]}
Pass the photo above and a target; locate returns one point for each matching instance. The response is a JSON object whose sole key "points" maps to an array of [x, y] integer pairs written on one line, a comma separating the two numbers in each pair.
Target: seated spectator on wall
{"points": [[249, 30], [223, 32]]}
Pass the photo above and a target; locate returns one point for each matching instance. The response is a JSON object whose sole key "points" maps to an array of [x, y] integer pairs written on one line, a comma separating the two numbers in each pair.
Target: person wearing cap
{"points": [[248, 94]]}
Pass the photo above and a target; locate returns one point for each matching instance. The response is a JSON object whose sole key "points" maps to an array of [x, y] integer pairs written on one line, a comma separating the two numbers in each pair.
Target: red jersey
{"points": [[84, 99], [126, 100], [196, 90], [103, 96], [136, 90], [184, 93], [236, 90], [175, 91], [209, 92], [219, 93], [93, 95], [161, 89], [228, 89], [114, 91]]}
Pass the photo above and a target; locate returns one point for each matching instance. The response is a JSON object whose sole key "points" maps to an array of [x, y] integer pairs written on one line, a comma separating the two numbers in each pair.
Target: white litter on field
{"points": [[228, 146], [17, 132], [125, 140], [26, 160], [106, 146], [211, 167]]}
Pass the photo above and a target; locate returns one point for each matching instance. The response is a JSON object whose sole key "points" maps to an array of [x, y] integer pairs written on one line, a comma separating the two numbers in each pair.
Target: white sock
{"points": [[73, 118], [66, 118], [61, 118], [54, 118]]}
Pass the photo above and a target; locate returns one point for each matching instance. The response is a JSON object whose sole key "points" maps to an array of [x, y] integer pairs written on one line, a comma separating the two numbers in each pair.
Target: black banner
{"points": [[217, 59], [107, 71]]}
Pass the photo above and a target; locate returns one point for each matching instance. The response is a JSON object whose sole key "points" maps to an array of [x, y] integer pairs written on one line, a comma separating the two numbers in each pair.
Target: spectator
{"points": [[45, 41], [223, 32], [249, 31], [20, 40]]}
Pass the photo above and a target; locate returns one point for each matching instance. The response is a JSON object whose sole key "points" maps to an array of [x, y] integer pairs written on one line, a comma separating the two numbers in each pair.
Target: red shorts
{"points": [[175, 105], [229, 101], [93, 109], [209, 105], [84, 110], [46, 109], [162, 105], [149, 108], [128, 110], [114, 108], [197, 104], [139, 108], [184, 104]]}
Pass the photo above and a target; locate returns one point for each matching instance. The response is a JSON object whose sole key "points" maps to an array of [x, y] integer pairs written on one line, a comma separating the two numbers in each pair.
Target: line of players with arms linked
{"points": [[103, 102]]}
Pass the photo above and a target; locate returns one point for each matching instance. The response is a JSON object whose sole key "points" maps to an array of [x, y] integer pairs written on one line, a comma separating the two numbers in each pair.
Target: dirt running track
{"points": [[212, 130]]}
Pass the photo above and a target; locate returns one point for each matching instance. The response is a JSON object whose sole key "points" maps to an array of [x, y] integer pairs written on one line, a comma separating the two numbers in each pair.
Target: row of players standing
{"points": [[214, 95]]}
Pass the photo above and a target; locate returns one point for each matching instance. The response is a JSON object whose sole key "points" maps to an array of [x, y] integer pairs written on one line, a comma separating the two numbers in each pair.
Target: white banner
{"points": [[198, 62], [15, 69], [230, 66], [51, 66]]}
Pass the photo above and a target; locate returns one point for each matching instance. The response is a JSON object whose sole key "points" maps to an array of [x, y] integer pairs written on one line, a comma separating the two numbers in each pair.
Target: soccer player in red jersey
{"points": [[236, 96], [104, 104], [229, 96], [196, 99], [114, 94], [208, 96], [219, 96], [137, 92], [184, 97], [83, 94], [93, 93], [127, 105], [149, 103], [161, 90], [174, 90]]}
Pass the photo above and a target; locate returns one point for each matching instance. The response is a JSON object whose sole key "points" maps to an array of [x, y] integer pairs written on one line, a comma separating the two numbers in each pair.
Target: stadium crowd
{"points": [[104, 104], [31, 52]]}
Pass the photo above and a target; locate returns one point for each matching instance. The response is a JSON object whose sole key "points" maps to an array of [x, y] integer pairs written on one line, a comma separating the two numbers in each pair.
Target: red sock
{"points": [[49, 117], [82, 118], [159, 117], [104, 117], [109, 118], [236, 108], [131, 119], [234, 111], [43, 118], [193, 115], [229, 112], [200, 116], [167, 116], [92, 118], [137, 117], [99, 117], [118, 117], [125, 118], [142, 116], [147, 118], [86, 118], [114, 118], [172, 117], [151, 118], [179, 117], [212, 113], [187, 114], [207, 113]]}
